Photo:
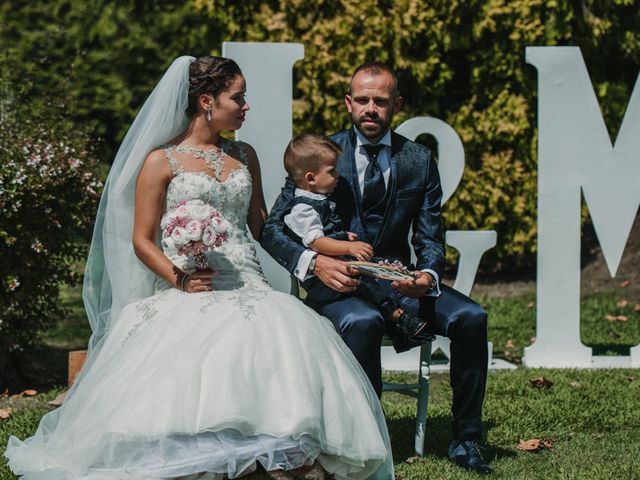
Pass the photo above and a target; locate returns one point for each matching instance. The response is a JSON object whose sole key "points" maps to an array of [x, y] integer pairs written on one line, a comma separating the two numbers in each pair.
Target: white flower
{"points": [[15, 283], [180, 210], [179, 236], [200, 212], [209, 236], [220, 225], [194, 230], [169, 243]]}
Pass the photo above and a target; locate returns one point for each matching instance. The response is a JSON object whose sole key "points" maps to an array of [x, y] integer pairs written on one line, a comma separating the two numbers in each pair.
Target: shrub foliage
{"points": [[48, 196]]}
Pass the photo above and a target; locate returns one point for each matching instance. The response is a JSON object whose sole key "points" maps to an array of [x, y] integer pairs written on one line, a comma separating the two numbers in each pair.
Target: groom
{"points": [[389, 184]]}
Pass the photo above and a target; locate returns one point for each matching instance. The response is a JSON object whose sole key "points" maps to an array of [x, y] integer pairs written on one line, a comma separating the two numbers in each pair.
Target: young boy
{"points": [[310, 160]]}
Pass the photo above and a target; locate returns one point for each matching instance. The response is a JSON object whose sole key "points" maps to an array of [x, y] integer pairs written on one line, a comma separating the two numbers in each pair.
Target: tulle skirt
{"points": [[212, 382]]}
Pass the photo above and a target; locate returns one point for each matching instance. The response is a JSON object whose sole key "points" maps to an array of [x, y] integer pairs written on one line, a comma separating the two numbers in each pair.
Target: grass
{"points": [[592, 418], [73, 331]]}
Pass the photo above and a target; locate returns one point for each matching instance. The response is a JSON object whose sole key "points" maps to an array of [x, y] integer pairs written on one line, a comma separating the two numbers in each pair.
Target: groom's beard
{"points": [[372, 131]]}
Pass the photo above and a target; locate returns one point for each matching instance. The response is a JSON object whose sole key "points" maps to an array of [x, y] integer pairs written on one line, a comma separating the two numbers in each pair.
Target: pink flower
{"points": [[194, 230], [219, 225], [209, 236], [179, 236]]}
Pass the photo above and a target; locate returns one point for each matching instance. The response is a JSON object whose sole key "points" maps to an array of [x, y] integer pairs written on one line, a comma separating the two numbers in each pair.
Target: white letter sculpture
{"points": [[268, 68], [470, 244], [575, 154]]}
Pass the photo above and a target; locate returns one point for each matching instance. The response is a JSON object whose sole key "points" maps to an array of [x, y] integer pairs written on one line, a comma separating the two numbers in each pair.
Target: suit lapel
{"points": [[347, 169]]}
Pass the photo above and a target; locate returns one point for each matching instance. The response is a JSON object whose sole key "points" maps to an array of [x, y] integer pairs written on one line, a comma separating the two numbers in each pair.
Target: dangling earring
{"points": [[208, 114]]}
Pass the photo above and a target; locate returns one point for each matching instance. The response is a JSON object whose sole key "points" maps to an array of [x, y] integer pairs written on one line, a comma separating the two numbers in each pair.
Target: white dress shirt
{"points": [[362, 160], [304, 220]]}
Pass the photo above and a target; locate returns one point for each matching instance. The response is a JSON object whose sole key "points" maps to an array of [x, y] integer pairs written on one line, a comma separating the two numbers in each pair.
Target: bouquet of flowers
{"points": [[194, 228]]}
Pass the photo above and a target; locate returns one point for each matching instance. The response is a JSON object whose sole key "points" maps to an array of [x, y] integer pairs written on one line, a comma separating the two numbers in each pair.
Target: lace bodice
{"points": [[235, 261]]}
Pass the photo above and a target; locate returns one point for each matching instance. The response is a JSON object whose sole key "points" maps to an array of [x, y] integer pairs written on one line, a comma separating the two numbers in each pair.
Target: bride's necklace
{"points": [[212, 158]]}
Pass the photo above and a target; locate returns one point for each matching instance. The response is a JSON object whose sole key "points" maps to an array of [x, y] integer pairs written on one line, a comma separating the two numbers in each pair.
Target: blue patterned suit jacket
{"points": [[414, 200]]}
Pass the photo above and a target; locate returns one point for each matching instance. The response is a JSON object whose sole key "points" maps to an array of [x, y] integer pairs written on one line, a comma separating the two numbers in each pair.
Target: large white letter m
{"points": [[575, 154]]}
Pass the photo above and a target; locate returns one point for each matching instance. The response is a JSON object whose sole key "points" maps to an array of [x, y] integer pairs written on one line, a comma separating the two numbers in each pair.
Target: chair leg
{"points": [[423, 397]]}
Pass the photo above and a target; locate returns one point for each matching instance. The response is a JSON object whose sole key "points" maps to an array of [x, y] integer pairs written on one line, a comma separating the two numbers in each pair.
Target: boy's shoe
{"points": [[414, 328]]}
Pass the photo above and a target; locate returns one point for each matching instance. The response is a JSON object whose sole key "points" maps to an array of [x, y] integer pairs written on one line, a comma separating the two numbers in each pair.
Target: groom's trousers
{"points": [[456, 316]]}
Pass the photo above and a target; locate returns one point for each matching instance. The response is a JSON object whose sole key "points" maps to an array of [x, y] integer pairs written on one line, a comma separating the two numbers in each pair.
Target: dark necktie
{"points": [[374, 189]]}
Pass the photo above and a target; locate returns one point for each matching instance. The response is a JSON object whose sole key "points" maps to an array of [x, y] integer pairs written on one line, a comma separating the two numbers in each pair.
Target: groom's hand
{"points": [[414, 288], [336, 274]]}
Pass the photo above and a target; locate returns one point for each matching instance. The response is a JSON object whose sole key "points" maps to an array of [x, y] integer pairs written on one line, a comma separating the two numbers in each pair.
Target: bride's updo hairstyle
{"points": [[209, 75]]}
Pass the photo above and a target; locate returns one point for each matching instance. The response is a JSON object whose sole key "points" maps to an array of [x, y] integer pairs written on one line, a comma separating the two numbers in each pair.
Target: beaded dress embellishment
{"points": [[212, 158]]}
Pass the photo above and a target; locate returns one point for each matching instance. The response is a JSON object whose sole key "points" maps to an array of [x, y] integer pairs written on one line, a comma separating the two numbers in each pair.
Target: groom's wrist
{"points": [[434, 286], [301, 270]]}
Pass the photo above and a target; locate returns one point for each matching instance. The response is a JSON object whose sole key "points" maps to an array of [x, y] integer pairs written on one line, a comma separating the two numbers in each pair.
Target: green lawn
{"points": [[592, 418]]}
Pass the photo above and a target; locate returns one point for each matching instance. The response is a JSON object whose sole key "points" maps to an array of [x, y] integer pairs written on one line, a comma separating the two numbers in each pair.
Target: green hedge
{"points": [[461, 61]]}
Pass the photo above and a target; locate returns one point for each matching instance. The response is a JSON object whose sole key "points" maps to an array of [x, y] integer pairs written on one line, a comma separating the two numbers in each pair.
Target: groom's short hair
{"points": [[375, 67], [307, 152]]}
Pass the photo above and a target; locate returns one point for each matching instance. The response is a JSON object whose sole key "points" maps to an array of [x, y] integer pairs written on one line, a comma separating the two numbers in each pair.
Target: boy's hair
{"points": [[307, 152]]}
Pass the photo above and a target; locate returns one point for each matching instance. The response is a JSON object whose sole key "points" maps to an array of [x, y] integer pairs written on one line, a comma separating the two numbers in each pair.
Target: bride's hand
{"points": [[198, 281]]}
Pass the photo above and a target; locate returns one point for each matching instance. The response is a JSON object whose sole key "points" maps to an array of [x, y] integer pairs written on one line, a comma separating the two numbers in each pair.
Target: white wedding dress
{"points": [[213, 381]]}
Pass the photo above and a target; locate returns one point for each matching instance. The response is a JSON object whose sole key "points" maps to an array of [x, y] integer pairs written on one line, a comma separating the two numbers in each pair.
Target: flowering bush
{"points": [[194, 228], [48, 197]]}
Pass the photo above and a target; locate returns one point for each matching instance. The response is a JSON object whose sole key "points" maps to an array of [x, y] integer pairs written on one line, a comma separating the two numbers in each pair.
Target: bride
{"points": [[188, 376]]}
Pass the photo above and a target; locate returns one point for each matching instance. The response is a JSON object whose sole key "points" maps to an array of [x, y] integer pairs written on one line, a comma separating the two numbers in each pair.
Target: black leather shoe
{"points": [[414, 328], [467, 455]]}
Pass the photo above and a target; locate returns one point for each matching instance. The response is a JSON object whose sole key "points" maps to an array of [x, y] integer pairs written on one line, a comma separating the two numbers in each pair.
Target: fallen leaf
{"points": [[541, 382], [626, 283], [637, 307], [530, 305], [617, 318], [411, 460], [534, 444], [5, 413], [59, 400], [533, 339], [509, 344], [30, 393], [597, 436], [622, 303], [576, 385], [622, 318], [631, 378]]}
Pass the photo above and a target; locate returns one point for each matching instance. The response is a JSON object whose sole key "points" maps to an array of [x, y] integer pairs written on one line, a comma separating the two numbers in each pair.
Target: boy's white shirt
{"points": [[304, 220]]}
